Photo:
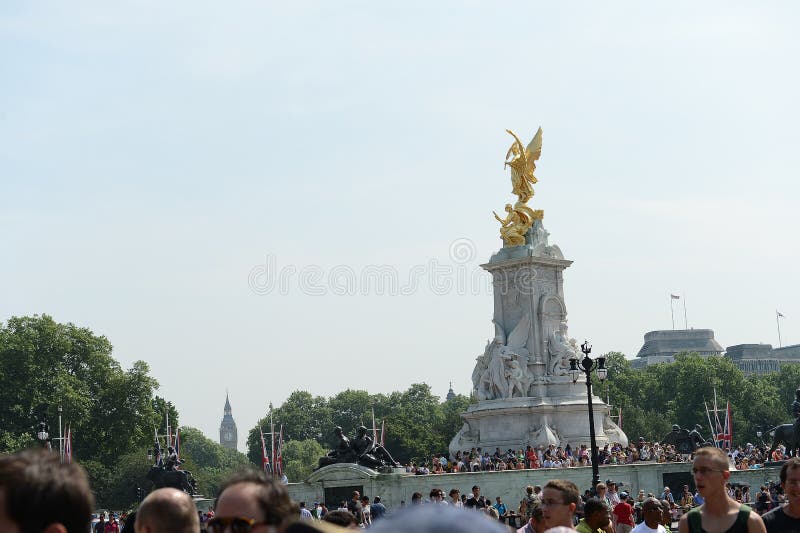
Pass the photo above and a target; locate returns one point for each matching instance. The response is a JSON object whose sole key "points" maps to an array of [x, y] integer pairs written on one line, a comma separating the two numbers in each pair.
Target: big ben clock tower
{"points": [[227, 429]]}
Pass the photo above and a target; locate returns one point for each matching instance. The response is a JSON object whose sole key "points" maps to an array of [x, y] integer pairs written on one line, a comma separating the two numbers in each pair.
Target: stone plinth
{"points": [[525, 395]]}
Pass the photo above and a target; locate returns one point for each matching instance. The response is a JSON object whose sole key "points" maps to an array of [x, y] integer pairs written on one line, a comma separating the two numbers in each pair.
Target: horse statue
{"points": [[177, 479], [784, 434]]}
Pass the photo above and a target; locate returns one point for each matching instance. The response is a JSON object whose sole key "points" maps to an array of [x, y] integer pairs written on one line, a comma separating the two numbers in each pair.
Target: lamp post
{"points": [[587, 365], [43, 433]]}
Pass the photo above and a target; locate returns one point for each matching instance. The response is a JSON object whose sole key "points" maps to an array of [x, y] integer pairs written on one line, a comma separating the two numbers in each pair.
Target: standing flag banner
{"points": [[68, 445], [279, 457], [272, 436], [374, 429], [383, 433], [722, 430], [178, 442], [264, 458], [778, 316]]}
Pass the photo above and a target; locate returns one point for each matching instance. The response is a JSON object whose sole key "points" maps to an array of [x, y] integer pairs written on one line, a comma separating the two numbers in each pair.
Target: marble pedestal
{"points": [[525, 395]]}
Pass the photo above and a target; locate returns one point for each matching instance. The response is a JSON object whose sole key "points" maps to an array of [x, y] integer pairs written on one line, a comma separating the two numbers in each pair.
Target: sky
{"points": [[216, 187]]}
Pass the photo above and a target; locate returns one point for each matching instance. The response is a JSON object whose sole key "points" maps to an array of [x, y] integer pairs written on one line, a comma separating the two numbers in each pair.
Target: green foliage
{"points": [[112, 411], [45, 364], [209, 462], [417, 424], [654, 398], [300, 457]]}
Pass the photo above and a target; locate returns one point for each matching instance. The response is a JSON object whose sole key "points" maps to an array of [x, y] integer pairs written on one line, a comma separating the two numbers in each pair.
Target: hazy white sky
{"points": [[164, 163]]}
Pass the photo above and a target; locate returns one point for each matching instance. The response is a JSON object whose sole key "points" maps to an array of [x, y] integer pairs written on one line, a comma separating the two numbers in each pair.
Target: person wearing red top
{"points": [[623, 512]]}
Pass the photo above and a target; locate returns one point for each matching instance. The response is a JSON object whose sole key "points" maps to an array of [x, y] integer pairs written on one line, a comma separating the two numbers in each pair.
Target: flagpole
{"points": [[778, 322], [272, 437], [61, 437], [685, 320], [672, 310]]}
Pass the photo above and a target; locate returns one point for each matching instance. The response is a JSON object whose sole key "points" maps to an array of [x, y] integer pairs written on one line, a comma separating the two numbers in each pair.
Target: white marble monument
{"points": [[522, 383]]}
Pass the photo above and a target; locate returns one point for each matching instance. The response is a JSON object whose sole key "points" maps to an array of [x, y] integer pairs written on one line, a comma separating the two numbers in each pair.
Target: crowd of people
{"points": [[40, 494], [748, 457]]}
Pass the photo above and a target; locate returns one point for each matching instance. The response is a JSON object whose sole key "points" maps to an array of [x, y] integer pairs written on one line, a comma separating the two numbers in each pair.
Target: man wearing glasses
{"points": [[250, 501], [786, 518], [651, 510], [559, 500], [720, 513]]}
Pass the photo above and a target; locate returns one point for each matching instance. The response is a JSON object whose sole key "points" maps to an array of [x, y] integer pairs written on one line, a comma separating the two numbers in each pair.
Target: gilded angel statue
{"points": [[522, 161]]}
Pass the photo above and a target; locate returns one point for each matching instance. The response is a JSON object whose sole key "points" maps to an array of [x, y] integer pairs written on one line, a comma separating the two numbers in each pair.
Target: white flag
{"points": [[674, 296]]}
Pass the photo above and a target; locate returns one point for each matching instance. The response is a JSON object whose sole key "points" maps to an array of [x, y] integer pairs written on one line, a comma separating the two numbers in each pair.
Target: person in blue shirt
{"points": [[500, 506]]}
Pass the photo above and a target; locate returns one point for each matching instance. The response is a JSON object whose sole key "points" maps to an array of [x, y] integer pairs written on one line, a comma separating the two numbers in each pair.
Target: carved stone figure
{"points": [[361, 450], [543, 435], [177, 479], [783, 434], [519, 378], [506, 364], [561, 349], [343, 453], [681, 439]]}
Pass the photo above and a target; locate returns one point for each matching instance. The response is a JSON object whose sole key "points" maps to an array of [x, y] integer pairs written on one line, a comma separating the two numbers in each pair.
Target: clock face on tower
{"points": [[228, 436]]}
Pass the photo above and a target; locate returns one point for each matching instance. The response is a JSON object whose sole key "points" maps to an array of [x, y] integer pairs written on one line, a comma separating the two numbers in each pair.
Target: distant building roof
{"points": [[666, 343]]}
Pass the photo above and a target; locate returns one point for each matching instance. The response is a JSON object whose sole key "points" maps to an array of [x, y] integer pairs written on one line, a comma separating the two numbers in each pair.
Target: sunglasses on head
{"points": [[237, 524]]}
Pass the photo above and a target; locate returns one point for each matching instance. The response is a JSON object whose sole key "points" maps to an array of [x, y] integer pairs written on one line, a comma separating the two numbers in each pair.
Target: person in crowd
{"points": [[341, 518], [535, 523], [38, 493], [623, 514], [602, 495], [250, 501], [666, 514], [455, 498], [501, 507], [366, 511], [652, 511], [167, 511], [596, 518], [305, 514], [720, 512], [377, 509], [474, 501], [786, 518], [559, 500]]}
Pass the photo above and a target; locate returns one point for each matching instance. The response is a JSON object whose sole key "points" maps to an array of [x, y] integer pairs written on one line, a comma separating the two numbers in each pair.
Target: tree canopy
{"points": [[112, 411], [417, 424], [657, 396]]}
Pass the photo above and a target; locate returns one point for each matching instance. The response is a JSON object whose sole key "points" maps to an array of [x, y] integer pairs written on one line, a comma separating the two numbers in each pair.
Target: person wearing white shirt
{"points": [[651, 509]]}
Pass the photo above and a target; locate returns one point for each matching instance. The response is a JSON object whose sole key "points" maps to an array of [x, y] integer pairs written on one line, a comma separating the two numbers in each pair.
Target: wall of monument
{"points": [[335, 483]]}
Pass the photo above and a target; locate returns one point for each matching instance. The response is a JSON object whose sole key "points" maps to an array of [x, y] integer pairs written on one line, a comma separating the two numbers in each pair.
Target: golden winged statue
{"points": [[520, 217], [522, 161]]}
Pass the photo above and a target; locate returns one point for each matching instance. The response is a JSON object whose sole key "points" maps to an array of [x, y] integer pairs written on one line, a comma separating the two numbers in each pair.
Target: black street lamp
{"points": [[43, 433], [586, 365]]}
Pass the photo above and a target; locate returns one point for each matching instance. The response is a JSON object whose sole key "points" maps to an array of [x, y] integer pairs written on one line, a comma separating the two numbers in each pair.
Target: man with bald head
{"points": [[250, 501], [167, 511]]}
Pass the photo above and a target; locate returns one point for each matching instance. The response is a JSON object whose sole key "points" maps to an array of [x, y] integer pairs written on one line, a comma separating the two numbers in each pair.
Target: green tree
{"points": [[209, 462], [44, 364], [300, 458]]}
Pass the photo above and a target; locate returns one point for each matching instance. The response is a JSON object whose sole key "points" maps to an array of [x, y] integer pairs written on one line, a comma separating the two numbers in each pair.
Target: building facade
{"points": [[227, 429], [661, 347]]}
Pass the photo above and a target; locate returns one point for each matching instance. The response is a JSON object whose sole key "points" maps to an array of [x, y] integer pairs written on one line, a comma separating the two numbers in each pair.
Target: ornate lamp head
{"points": [[602, 371], [573, 369]]}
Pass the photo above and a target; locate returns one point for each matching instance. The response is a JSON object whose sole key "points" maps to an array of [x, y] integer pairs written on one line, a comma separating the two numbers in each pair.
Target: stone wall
{"points": [[509, 485]]}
